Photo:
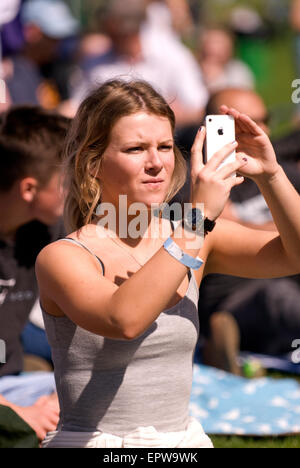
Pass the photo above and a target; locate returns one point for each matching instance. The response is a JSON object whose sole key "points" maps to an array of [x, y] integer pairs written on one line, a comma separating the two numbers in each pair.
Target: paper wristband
{"points": [[173, 249]]}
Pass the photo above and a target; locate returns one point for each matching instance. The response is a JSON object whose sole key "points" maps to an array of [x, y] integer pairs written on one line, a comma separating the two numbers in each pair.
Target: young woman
{"points": [[121, 309]]}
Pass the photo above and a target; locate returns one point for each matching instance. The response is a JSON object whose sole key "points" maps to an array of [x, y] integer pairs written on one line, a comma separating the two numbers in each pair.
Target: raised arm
{"points": [[247, 252], [73, 281]]}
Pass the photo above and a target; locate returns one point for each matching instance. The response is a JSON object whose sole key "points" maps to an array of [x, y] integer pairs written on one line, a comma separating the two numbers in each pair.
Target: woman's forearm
{"points": [[284, 203], [152, 287]]}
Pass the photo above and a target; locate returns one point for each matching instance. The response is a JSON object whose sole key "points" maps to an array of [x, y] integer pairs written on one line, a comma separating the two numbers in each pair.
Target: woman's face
{"points": [[139, 160]]}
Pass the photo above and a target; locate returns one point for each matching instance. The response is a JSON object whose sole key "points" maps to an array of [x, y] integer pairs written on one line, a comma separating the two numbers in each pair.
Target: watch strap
{"points": [[208, 225]]}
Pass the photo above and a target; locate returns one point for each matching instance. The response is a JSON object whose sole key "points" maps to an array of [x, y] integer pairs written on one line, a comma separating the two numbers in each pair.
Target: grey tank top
{"points": [[115, 386]]}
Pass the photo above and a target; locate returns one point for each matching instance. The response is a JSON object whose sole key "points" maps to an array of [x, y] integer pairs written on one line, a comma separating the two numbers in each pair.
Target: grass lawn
{"points": [[256, 442]]}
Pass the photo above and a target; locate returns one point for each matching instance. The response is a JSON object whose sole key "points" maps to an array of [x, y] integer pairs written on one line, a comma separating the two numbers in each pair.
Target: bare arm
{"points": [[241, 251], [181, 16], [284, 203], [74, 282], [230, 214], [250, 253]]}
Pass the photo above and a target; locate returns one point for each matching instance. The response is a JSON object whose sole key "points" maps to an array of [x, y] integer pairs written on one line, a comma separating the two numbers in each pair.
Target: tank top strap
{"points": [[74, 241]]}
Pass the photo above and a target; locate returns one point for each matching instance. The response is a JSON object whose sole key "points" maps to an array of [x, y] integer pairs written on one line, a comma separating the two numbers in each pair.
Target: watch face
{"points": [[194, 217]]}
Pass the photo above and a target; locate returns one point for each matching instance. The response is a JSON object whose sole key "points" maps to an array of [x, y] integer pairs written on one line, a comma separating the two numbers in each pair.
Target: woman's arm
{"points": [[73, 281], [254, 253], [71, 278], [250, 253], [284, 203]]}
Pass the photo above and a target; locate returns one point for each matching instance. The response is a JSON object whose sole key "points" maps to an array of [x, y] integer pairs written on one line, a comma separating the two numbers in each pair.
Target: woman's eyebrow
{"points": [[142, 142], [134, 142]]}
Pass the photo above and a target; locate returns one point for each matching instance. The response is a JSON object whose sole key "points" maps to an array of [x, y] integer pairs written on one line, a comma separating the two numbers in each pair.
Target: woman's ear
{"points": [[28, 189]]}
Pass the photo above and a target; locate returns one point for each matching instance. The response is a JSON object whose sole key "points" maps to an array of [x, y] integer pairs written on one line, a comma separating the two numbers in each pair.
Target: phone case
{"points": [[220, 130]]}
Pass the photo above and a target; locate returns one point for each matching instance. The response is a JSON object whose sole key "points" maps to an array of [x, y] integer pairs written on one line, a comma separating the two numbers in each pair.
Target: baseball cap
{"points": [[53, 17]]}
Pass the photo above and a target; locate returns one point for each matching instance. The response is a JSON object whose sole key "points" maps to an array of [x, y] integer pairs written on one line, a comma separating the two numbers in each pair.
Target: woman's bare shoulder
{"points": [[62, 254]]}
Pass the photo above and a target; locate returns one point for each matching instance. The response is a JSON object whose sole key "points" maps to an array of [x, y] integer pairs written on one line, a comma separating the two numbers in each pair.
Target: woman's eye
{"points": [[135, 149], [166, 147]]}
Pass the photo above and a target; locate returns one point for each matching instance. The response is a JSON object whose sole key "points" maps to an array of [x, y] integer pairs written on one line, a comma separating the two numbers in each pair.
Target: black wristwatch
{"points": [[208, 225], [195, 221]]}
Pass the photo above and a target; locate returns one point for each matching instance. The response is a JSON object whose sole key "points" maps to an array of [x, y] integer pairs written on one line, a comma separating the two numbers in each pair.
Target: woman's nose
{"points": [[153, 160]]}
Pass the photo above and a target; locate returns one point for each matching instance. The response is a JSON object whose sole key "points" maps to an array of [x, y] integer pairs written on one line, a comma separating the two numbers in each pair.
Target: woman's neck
{"points": [[142, 230]]}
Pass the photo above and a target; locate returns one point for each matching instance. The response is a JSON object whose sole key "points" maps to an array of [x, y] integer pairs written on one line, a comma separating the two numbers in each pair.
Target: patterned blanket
{"points": [[227, 404]]}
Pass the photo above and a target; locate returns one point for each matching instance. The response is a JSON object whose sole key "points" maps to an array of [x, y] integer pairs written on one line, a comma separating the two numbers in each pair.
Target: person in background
{"points": [[11, 31], [136, 53], [219, 67], [288, 147], [5, 99], [10, 38], [234, 310], [31, 206], [168, 21], [29, 72], [174, 15], [92, 49]]}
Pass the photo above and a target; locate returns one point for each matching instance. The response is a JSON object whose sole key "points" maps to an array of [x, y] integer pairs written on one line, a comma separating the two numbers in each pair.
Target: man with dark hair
{"points": [[31, 205]]}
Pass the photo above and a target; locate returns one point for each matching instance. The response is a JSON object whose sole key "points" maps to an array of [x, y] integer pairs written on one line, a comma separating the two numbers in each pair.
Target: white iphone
{"points": [[220, 130]]}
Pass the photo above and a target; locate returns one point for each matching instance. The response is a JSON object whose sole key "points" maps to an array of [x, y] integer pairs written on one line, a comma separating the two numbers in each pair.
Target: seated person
{"points": [[168, 65], [288, 147], [219, 66], [238, 309], [32, 72], [234, 310], [31, 205]]}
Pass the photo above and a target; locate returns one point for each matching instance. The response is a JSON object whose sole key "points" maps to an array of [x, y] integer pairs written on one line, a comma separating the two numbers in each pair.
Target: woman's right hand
{"points": [[211, 186]]}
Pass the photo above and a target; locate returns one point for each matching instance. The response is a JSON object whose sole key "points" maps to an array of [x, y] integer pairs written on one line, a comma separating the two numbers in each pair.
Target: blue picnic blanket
{"points": [[227, 404]]}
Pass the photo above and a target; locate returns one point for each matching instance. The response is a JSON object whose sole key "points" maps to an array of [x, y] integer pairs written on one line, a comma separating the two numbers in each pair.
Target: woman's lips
{"points": [[153, 183]]}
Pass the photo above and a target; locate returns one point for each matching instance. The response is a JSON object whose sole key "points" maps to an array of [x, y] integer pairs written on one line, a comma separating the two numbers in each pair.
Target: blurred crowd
{"points": [[49, 62]]}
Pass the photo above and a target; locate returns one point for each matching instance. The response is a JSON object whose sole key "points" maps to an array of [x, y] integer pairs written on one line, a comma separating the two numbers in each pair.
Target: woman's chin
{"points": [[156, 200]]}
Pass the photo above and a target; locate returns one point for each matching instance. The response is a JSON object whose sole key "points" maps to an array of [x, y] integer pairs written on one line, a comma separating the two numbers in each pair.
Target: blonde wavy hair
{"points": [[89, 136]]}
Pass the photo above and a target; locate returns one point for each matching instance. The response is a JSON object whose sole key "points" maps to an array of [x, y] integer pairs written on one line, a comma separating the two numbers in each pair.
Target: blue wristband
{"points": [[173, 249]]}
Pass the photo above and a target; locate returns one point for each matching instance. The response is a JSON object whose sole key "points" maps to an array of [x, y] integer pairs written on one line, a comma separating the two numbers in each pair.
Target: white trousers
{"points": [[193, 437]]}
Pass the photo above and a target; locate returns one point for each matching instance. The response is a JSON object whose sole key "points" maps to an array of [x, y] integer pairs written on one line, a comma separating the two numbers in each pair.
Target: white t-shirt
{"points": [[166, 64], [236, 74]]}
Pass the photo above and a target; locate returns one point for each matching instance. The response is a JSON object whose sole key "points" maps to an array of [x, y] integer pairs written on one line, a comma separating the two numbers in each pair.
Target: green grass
{"points": [[256, 442]]}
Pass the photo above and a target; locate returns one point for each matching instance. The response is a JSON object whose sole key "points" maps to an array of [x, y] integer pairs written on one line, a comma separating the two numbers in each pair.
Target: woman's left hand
{"points": [[255, 145]]}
